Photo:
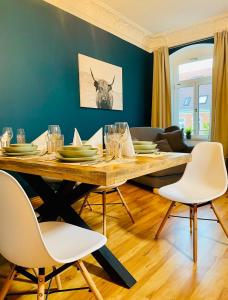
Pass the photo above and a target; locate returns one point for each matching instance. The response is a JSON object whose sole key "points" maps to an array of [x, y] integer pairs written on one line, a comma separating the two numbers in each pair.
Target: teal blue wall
{"points": [[39, 82]]}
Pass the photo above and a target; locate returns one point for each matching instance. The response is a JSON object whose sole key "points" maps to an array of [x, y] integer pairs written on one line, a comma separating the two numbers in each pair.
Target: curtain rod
{"points": [[191, 43]]}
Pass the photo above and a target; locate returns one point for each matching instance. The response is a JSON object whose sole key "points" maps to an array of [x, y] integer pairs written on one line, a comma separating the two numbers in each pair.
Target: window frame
{"points": [[182, 57]]}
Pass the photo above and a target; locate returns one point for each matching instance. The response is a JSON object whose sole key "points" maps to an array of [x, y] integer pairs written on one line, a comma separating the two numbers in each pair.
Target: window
{"points": [[203, 99], [187, 101], [191, 72], [195, 70]]}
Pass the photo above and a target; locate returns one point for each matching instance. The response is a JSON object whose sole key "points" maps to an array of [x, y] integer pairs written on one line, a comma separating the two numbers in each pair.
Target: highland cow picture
{"points": [[100, 84]]}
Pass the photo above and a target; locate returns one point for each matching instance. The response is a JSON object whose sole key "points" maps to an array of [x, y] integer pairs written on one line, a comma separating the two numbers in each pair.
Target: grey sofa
{"points": [[161, 178]]}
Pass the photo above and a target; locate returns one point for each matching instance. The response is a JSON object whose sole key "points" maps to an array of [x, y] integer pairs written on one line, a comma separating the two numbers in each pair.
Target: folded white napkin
{"points": [[76, 140], [97, 140], [128, 147], [41, 141]]}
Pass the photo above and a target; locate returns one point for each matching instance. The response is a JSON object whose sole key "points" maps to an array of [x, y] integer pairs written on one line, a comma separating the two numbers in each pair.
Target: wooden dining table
{"points": [[58, 203]]}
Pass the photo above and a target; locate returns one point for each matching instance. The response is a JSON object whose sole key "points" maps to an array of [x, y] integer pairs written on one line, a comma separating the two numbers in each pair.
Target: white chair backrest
{"points": [[20, 237], [207, 166]]}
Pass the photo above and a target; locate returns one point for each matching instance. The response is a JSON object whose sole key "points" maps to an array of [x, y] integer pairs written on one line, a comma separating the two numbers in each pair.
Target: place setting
{"points": [[147, 148], [20, 150], [91, 152], [82, 153]]}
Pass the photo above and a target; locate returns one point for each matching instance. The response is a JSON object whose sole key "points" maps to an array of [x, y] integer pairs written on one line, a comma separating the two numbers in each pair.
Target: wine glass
{"points": [[109, 139], [7, 131], [121, 130], [7, 134]]}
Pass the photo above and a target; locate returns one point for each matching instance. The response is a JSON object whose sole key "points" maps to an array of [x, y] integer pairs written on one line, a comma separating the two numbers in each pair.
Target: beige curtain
{"points": [[219, 125], [161, 100]]}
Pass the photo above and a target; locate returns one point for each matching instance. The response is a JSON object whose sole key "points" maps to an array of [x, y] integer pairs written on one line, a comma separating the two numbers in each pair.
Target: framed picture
{"points": [[100, 84]]}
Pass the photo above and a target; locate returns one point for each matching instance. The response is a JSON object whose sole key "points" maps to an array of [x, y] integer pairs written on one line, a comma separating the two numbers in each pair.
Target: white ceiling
{"points": [[160, 16], [150, 24]]}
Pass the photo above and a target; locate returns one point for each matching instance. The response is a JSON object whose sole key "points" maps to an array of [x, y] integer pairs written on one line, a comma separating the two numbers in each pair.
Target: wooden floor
{"points": [[164, 269]]}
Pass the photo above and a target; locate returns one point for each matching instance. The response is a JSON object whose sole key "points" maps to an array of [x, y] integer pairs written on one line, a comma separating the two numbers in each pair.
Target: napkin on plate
{"points": [[97, 140], [76, 139], [41, 141], [128, 147]]}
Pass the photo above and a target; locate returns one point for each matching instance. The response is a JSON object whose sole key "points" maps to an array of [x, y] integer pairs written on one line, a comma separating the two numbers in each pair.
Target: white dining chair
{"points": [[28, 244], [104, 190], [204, 180]]}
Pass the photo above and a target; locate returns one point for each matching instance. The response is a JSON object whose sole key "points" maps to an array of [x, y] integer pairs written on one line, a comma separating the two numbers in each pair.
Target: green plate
{"points": [[21, 145], [21, 153], [19, 149], [79, 153], [145, 147], [76, 159], [145, 151], [76, 148], [142, 142]]}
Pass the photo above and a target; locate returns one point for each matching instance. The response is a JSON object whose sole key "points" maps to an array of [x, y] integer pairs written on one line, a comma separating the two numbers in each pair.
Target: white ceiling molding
{"points": [[101, 15], [98, 13], [191, 34]]}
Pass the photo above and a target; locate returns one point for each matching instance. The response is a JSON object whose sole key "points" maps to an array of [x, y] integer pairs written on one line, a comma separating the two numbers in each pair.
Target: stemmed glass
{"points": [[121, 130], [7, 134], [109, 140]]}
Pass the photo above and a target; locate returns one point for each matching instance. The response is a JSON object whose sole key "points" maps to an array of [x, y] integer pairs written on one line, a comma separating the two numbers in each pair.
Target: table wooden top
{"points": [[100, 174]]}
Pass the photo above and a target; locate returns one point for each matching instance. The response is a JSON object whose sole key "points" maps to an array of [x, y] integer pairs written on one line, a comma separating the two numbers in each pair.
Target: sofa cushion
{"points": [[172, 128], [174, 138], [145, 133], [163, 145]]}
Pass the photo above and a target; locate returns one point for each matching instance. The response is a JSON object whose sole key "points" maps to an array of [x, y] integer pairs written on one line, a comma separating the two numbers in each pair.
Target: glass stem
{"points": [[120, 150]]}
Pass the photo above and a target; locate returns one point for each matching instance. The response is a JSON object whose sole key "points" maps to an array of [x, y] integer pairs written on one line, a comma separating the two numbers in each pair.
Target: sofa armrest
{"points": [[188, 149]]}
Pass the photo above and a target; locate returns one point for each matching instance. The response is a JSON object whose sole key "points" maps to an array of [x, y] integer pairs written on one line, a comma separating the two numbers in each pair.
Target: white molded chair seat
{"points": [[76, 242], [204, 180], [187, 193], [28, 244]]}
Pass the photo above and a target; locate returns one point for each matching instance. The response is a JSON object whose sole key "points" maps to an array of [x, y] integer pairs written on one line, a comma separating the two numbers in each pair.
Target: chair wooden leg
{"points": [[219, 219], [58, 280], [88, 203], [155, 191], [165, 219], [125, 204], [190, 218], [104, 212], [195, 229], [89, 280], [41, 284], [7, 283], [83, 204]]}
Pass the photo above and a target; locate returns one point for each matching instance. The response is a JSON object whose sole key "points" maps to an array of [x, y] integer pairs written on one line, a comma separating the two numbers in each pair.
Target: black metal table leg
{"points": [[59, 204]]}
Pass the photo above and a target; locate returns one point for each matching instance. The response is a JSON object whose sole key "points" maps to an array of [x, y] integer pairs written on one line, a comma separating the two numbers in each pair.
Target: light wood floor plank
{"points": [[163, 268]]}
